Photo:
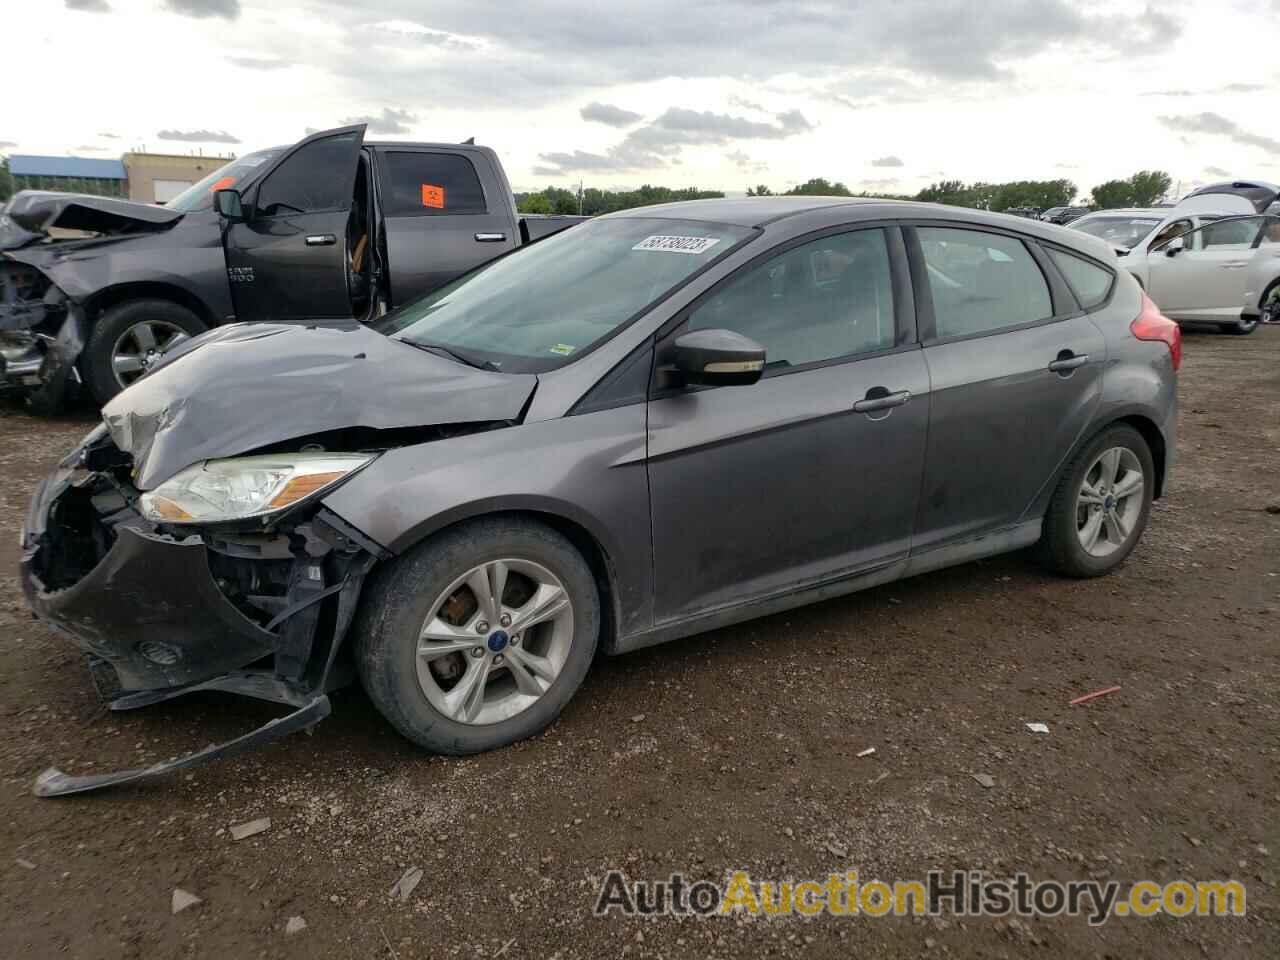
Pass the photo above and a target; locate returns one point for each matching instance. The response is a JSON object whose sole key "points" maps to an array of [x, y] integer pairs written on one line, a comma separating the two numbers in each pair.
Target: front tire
{"points": [[129, 338], [1100, 506], [479, 636]]}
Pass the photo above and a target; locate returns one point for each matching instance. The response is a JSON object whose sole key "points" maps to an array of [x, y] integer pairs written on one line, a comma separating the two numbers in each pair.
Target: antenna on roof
{"points": [[470, 141]]}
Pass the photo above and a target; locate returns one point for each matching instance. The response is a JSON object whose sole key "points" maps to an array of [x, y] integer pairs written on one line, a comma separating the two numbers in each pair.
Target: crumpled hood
{"points": [[244, 386], [13, 236], [30, 214]]}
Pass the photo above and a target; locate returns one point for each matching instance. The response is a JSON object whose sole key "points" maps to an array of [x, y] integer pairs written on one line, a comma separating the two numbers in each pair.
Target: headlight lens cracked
{"points": [[246, 487]]}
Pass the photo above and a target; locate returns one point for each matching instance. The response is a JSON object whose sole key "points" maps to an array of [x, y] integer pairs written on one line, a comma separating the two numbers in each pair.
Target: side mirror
{"points": [[229, 204], [718, 358], [1174, 247]]}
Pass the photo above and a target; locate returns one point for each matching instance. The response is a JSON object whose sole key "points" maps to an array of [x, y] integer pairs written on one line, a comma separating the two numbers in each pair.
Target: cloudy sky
{"points": [[882, 94]]}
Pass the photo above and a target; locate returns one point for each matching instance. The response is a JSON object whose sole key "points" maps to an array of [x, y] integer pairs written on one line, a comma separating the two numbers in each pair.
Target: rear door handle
{"points": [[321, 240], [1069, 362], [1235, 265], [881, 401], [490, 237]]}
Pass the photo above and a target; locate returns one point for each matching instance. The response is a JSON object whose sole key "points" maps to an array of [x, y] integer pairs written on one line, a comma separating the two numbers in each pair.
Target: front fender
{"points": [[588, 470]]}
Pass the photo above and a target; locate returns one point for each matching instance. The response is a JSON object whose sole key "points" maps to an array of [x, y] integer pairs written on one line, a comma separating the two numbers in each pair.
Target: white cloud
{"points": [[701, 89]]}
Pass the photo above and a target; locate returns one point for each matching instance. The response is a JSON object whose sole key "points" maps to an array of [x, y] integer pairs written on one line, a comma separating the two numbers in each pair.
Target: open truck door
{"points": [[290, 238]]}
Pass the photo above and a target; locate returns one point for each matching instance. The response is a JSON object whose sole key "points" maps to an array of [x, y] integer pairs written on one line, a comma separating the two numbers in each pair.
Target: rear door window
{"points": [[1090, 282], [430, 184], [982, 282], [1230, 234]]}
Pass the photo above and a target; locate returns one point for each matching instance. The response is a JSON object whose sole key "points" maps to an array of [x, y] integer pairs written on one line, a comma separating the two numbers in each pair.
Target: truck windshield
{"points": [[199, 196], [540, 307]]}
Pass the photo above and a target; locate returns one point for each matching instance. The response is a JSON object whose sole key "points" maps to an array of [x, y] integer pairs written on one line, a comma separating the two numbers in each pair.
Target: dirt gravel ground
{"points": [[736, 749]]}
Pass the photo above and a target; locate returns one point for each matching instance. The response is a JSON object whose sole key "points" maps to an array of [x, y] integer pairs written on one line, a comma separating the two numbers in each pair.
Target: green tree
{"points": [[596, 202], [534, 203], [6, 181], [819, 187], [759, 190], [1113, 193], [1149, 186], [953, 192]]}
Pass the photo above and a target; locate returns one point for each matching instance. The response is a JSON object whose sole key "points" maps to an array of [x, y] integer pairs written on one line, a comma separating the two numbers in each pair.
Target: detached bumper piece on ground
{"points": [[260, 614]]}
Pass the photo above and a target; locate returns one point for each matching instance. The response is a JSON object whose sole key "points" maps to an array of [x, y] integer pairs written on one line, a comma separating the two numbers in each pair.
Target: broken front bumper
{"points": [[161, 615], [152, 611], [42, 334]]}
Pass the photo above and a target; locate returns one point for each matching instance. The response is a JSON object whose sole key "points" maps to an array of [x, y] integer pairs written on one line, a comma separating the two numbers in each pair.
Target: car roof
{"points": [[762, 211], [743, 211], [1132, 212]]}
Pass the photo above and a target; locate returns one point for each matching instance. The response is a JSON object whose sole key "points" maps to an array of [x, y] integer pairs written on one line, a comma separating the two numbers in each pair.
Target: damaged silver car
{"points": [[657, 423]]}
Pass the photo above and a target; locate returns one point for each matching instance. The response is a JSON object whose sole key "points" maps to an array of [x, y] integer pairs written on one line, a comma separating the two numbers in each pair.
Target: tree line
{"points": [[593, 202], [1142, 189]]}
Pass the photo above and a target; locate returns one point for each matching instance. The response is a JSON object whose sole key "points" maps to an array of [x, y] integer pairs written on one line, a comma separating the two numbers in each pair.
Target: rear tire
{"points": [[113, 342], [1091, 501], [425, 593]]}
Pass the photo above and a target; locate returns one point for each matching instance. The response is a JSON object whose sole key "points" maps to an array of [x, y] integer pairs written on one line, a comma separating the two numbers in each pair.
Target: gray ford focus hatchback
{"points": [[663, 421]]}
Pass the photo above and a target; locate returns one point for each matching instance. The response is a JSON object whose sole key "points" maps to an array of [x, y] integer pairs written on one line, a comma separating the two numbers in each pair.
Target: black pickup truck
{"points": [[329, 227]]}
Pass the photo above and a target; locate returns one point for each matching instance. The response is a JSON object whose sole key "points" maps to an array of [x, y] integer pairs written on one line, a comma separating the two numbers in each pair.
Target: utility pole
{"points": [[579, 198]]}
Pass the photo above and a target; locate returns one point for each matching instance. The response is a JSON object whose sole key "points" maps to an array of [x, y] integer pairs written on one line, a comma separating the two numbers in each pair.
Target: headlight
{"points": [[217, 490]]}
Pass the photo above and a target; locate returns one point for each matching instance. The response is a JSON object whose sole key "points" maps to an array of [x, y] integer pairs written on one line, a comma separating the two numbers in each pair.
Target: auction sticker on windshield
{"points": [[677, 244]]}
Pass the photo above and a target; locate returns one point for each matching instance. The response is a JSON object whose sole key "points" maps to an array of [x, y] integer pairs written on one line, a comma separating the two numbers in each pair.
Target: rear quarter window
{"points": [[431, 184], [1090, 282]]}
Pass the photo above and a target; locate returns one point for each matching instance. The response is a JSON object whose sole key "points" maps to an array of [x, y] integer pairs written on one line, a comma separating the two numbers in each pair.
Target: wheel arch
{"points": [[119, 293], [1266, 293], [578, 530], [1147, 428]]}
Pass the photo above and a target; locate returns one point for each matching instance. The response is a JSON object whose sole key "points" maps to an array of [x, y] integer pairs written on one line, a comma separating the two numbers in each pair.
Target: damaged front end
{"points": [[257, 608], [42, 334], [43, 327]]}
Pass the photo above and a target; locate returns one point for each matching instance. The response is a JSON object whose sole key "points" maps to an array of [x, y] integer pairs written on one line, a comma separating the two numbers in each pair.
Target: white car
{"points": [[1214, 258]]}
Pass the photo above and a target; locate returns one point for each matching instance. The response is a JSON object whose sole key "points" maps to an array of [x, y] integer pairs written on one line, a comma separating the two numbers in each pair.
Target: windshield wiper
{"points": [[440, 350]]}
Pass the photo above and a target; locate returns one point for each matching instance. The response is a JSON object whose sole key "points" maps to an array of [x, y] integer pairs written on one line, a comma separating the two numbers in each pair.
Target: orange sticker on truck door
{"points": [[433, 196]]}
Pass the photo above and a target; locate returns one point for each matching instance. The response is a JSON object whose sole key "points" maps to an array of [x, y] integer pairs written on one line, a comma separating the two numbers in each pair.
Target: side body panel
{"points": [[768, 488], [188, 258], [1201, 284], [1000, 422], [588, 469]]}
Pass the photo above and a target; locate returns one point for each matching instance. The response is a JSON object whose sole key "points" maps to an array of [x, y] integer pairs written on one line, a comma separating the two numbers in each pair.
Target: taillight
{"points": [[1151, 324]]}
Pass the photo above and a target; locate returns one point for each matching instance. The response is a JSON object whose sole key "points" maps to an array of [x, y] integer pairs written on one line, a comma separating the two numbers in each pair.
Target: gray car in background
{"points": [[661, 422]]}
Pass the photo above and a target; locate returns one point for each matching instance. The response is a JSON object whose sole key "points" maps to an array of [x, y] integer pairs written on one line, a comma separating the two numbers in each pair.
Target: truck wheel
{"points": [[129, 338], [479, 636], [1100, 506]]}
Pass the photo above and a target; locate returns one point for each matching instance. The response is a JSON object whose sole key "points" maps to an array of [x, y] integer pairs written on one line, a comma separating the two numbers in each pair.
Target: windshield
{"points": [[1119, 231], [542, 306], [199, 196]]}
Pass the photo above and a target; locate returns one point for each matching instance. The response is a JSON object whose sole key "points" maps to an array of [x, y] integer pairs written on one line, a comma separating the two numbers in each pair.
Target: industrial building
{"points": [[147, 177]]}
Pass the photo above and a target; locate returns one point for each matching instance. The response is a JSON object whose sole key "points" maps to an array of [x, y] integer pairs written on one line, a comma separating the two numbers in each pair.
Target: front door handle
{"points": [[878, 398], [490, 237], [321, 240], [1068, 361]]}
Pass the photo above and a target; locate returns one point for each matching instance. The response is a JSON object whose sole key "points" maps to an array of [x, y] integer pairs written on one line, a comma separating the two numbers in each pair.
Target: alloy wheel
{"points": [[494, 641], [1109, 502], [141, 346]]}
